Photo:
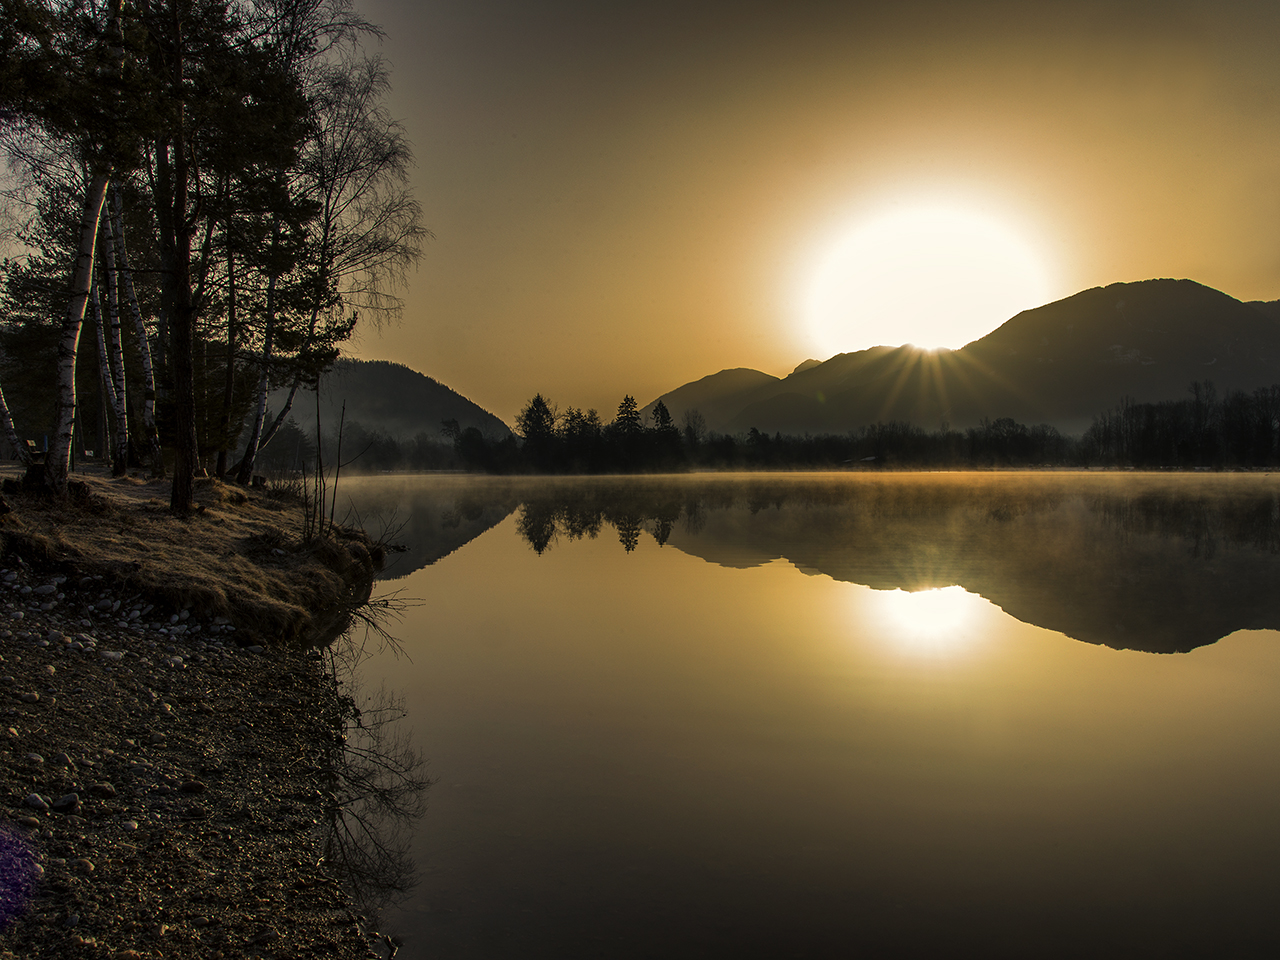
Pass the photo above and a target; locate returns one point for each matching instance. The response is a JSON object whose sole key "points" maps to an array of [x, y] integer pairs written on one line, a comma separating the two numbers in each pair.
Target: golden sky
{"points": [[626, 197]]}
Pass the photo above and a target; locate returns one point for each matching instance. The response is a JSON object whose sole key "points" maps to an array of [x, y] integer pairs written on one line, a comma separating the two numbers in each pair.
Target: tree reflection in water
{"points": [[377, 779], [1162, 563]]}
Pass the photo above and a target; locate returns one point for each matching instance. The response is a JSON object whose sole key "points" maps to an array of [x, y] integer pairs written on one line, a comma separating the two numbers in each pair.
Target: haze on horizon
{"points": [[626, 198]]}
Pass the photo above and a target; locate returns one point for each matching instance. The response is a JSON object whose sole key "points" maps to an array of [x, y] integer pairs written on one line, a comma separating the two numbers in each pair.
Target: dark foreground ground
{"points": [[162, 788]]}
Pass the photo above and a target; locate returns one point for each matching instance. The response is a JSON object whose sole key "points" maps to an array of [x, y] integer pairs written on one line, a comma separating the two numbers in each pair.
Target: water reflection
{"points": [[643, 754], [377, 783], [932, 622], [1144, 562]]}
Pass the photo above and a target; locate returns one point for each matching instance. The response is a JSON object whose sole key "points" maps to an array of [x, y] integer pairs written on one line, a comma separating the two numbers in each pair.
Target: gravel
{"points": [[161, 788]]}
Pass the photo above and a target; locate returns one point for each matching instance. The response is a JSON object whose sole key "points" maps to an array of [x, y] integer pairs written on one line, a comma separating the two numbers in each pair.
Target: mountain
{"points": [[716, 397], [394, 399], [1061, 364]]}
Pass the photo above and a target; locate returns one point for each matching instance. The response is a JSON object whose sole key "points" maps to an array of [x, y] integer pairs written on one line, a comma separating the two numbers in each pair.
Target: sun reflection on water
{"points": [[934, 622]]}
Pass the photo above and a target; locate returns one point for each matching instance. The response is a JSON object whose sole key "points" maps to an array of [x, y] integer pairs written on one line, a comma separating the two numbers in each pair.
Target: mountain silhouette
{"points": [[1060, 364], [394, 399]]}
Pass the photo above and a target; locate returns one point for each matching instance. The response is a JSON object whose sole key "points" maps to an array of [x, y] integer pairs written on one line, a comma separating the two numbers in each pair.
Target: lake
{"points": [[940, 715]]}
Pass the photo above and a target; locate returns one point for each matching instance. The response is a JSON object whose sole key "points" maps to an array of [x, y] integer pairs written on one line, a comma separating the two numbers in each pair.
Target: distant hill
{"points": [[1061, 364], [717, 397], [394, 399]]}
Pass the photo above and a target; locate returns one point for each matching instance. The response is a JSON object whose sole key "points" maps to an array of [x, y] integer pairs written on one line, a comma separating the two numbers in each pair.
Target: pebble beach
{"points": [[162, 779]]}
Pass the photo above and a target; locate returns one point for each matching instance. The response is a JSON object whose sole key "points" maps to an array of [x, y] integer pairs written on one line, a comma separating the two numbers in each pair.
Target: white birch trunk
{"points": [[106, 386], [130, 296], [280, 417], [57, 463], [18, 444], [245, 473], [115, 360]]}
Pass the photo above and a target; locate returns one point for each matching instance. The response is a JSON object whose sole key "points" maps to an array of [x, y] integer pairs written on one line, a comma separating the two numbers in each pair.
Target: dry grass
{"points": [[239, 555]]}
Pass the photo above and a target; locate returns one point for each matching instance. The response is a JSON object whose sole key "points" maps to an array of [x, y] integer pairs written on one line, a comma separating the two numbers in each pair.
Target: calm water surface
{"points": [[855, 715]]}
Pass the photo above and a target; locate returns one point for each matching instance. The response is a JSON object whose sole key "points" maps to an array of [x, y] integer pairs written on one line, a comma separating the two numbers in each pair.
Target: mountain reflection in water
{"points": [[1155, 562]]}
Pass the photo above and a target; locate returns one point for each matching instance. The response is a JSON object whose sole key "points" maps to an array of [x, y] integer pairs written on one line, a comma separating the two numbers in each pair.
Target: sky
{"points": [[626, 197]]}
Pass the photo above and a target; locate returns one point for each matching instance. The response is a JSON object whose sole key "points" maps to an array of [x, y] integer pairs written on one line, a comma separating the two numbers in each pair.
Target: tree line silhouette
{"points": [[1237, 431]]}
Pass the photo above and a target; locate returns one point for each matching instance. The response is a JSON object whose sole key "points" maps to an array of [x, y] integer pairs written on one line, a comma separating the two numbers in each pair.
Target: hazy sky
{"points": [[626, 197]]}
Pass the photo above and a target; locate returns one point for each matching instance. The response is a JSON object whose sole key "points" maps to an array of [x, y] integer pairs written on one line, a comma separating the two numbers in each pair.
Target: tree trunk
{"points": [[130, 296], [115, 360], [229, 380], [57, 463], [245, 474], [106, 386], [19, 445], [174, 174]]}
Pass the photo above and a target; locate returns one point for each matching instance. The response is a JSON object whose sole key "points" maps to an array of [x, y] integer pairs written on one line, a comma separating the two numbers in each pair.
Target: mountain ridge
{"points": [[398, 400], [1062, 363]]}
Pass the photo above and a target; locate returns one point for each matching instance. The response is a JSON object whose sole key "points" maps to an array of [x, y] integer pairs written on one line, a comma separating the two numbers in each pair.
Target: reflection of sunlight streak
{"points": [[928, 621]]}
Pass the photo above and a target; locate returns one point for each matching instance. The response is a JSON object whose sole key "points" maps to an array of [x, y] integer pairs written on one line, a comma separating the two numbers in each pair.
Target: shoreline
{"points": [[164, 764]]}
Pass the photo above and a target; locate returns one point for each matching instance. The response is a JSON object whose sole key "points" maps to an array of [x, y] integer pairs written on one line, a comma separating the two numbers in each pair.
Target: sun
{"points": [[931, 274]]}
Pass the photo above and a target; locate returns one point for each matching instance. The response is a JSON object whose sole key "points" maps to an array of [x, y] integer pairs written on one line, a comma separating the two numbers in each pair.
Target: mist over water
{"points": [[807, 715]]}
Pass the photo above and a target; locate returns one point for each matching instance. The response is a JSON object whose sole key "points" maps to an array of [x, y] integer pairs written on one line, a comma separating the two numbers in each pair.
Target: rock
{"points": [[128, 955], [69, 803], [29, 697], [156, 737], [36, 802], [81, 865], [112, 655], [45, 589], [263, 937], [104, 791], [29, 823], [35, 758], [192, 787], [130, 825]]}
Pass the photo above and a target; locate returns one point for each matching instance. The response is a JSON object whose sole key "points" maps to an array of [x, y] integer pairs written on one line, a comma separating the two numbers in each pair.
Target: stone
{"points": [[29, 697], [130, 825], [36, 802], [45, 589], [104, 791], [29, 823], [81, 865], [69, 803], [263, 937], [192, 787]]}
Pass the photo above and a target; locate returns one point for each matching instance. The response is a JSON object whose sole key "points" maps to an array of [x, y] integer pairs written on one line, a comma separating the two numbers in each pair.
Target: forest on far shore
{"points": [[1236, 431]]}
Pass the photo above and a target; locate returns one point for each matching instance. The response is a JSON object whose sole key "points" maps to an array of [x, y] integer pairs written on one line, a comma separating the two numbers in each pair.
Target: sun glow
{"points": [[931, 275], [929, 621]]}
